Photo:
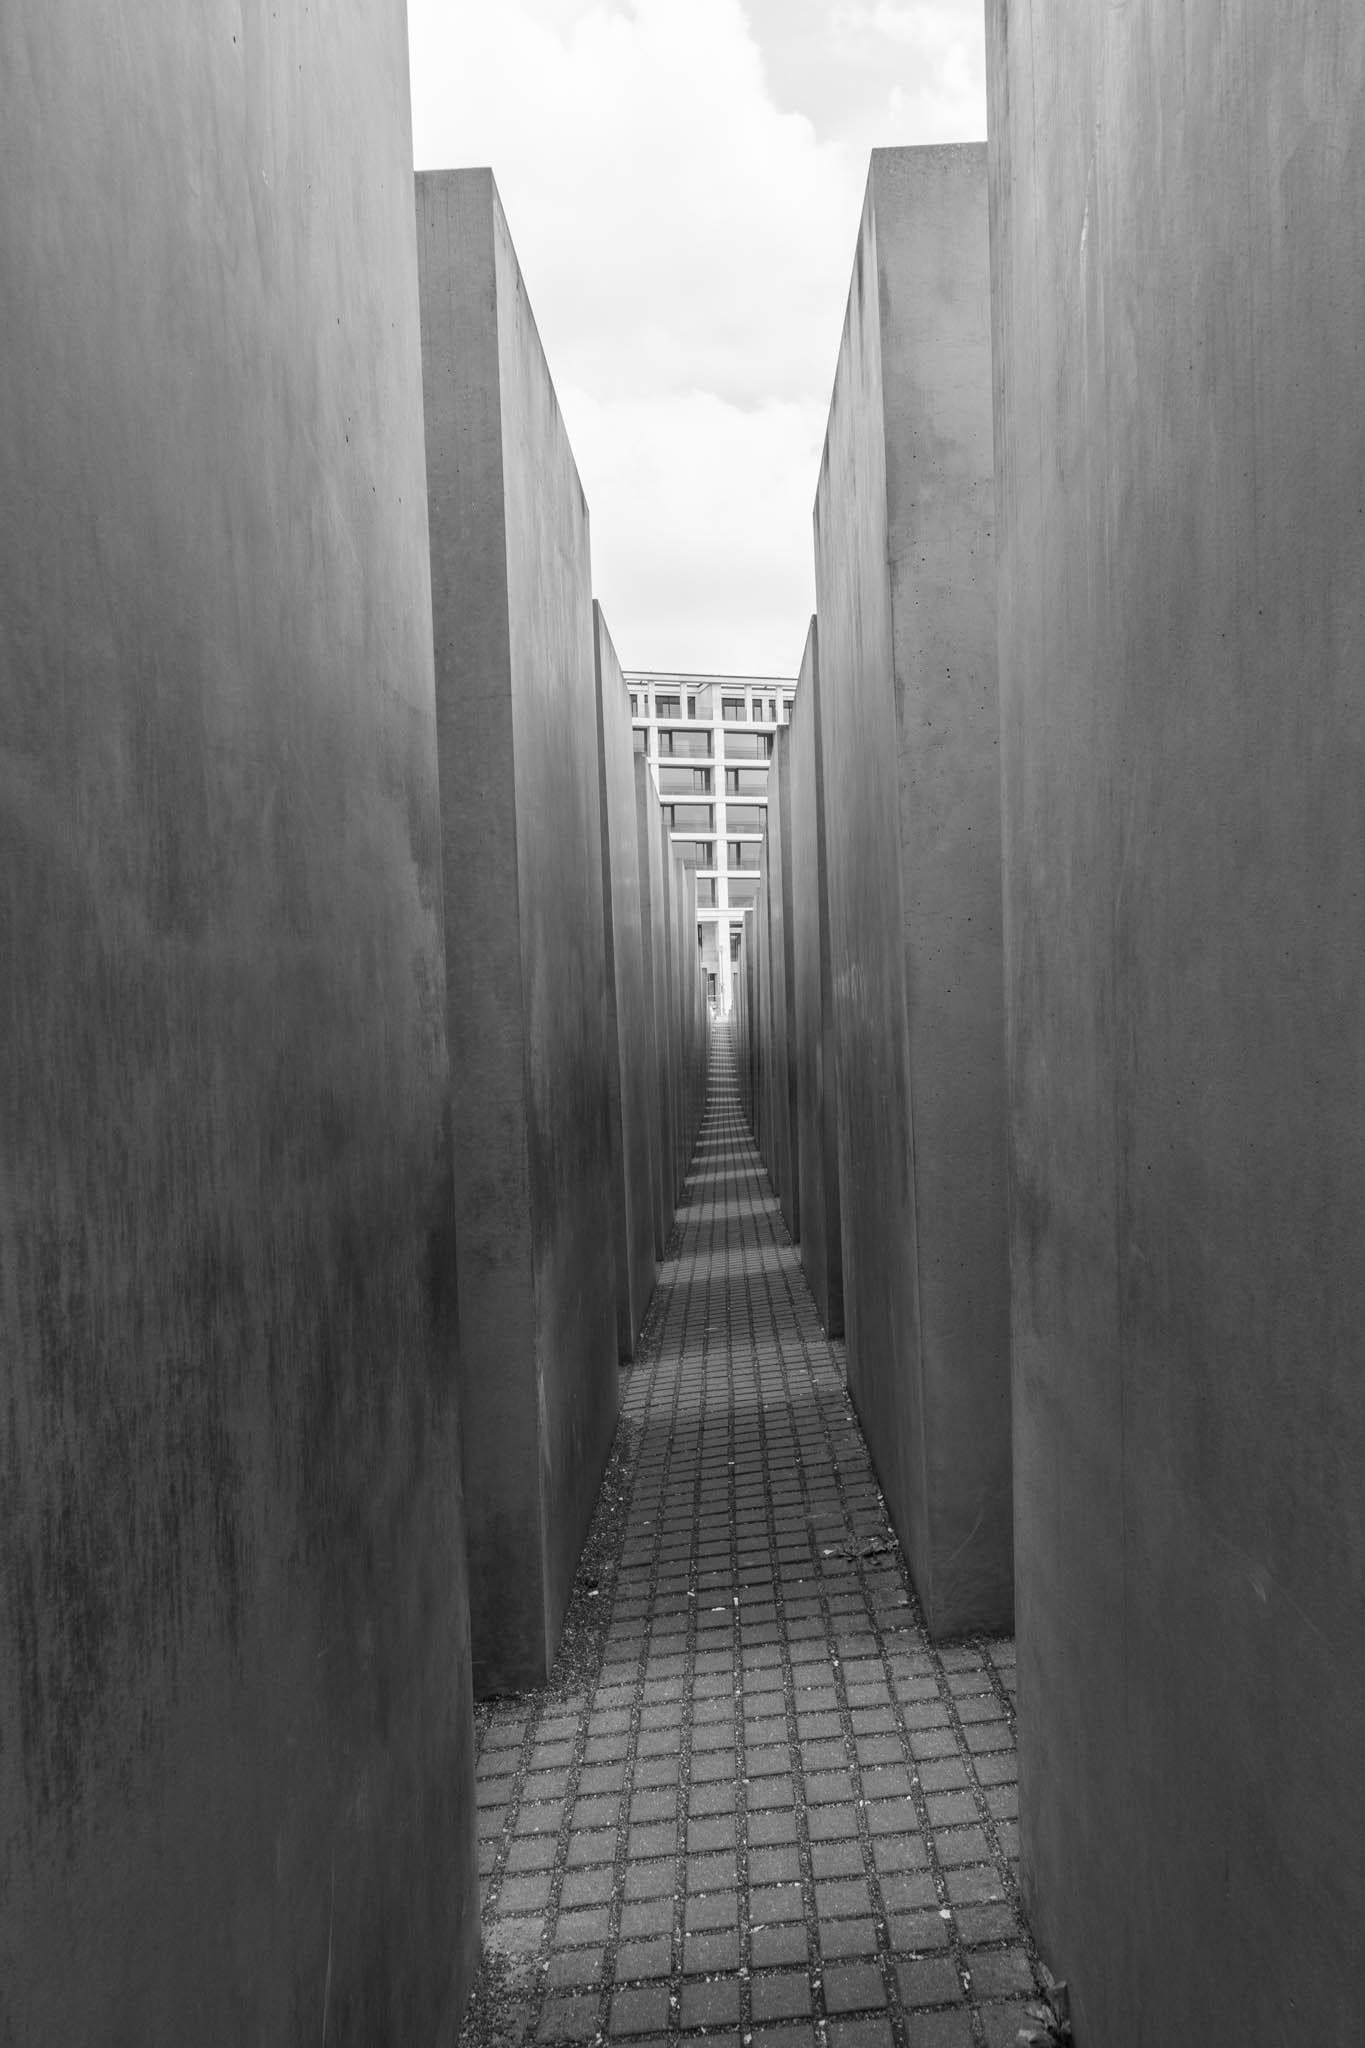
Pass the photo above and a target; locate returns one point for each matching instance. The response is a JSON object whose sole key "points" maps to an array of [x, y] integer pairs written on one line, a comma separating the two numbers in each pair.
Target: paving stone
{"points": [[767, 1828], [918, 1932], [928, 1980], [588, 1924], [862, 2033], [1001, 1973], [575, 1966], [569, 2019], [854, 1987], [781, 1994], [785, 1943], [987, 1923], [710, 2002], [704, 1954], [769, 1792], [771, 1903], [712, 1909], [961, 1845], [641, 1959], [642, 2008], [837, 1859], [841, 1897], [646, 1916], [1002, 2024], [598, 1846], [524, 1894]]}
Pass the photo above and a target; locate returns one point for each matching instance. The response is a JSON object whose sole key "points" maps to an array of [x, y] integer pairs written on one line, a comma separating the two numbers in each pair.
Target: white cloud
{"points": [[686, 245], [712, 570]]}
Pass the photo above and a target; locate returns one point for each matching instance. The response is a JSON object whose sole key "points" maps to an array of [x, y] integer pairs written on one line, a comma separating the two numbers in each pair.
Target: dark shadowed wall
{"points": [[630, 1002], [1179, 265], [525, 946], [654, 933], [812, 1019], [909, 730], [236, 1779], [783, 1136]]}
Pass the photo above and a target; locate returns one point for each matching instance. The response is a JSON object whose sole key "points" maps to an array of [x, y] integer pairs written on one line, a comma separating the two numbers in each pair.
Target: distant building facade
{"points": [[708, 740]]}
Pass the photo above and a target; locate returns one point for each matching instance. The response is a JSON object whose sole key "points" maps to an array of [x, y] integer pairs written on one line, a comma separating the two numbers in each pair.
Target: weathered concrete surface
{"points": [[761, 1026], [525, 944], [784, 974], [1179, 266], [649, 825], [236, 1782], [689, 1012], [909, 726], [691, 1015], [742, 1021], [812, 1004], [630, 1007]]}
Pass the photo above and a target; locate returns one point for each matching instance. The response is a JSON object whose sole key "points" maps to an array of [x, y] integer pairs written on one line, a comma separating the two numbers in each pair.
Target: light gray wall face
{"points": [[525, 942], [817, 1157], [630, 1003], [236, 1779], [909, 737], [1179, 259]]}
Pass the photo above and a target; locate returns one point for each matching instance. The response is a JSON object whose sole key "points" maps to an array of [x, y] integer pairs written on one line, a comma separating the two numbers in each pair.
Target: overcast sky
{"points": [[683, 180]]}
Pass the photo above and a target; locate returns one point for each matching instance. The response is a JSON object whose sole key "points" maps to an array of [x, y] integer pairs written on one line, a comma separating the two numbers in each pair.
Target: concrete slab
{"points": [[783, 1138], [1180, 441], [762, 1017], [525, 942], [630, 1007], [909, 730], [655, 938], [236, 1772], [812, 1004]]}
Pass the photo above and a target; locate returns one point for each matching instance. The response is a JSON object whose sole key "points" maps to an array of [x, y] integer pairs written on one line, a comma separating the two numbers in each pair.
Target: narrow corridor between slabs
{"points": [[755, 1804]]}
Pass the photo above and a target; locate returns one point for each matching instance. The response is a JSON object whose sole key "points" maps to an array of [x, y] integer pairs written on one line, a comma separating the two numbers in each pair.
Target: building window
{"points": [[746, 746], [706, 892], [689, 817], [772, 709], [732, 708], [641, 737], [667, 707], [697, 745], [691, 707], [634, 707], [741, 854], [706, 853], [701, 780]]}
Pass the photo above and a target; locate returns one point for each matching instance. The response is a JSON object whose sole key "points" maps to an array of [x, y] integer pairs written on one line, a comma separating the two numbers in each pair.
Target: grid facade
{"points": [[709, 741]]}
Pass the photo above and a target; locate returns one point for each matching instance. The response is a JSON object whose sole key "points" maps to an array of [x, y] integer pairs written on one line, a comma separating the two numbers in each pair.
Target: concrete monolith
{"points": [[905, 579], [1179, 268], [526, 978], [236, 1774]]}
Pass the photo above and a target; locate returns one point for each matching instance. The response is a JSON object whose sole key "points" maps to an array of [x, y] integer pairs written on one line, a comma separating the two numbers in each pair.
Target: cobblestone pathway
{"points": [[754, 1805]]}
